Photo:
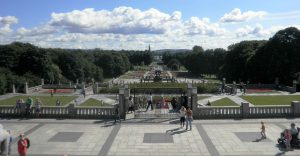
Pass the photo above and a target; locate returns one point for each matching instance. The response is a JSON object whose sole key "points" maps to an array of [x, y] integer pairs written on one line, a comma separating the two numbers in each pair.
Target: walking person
{"points": [[117, 114], [22, 145], [28, 106], [182, 116], [10, 142], [130, 104], [150, 100], [4, 141], [263, 130], [38, 107], [174, 104], [188, 118]]}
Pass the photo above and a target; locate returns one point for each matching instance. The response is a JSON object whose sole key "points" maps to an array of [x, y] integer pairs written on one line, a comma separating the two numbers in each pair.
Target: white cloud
{"points": [[121, 20], [5, 23], [236, 15], [258, 31], [8, 20], [42, 30], [202, 27], [129, 28]]}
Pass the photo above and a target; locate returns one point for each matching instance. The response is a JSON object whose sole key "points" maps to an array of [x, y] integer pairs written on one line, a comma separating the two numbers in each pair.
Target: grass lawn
{"points": [[94, 102], [224, 102], [272, 100], [46, 100], [201, 97], [112, 97]]}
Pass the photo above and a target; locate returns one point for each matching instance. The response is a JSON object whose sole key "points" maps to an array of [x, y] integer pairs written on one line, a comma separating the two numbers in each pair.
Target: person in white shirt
{"points": [[182, 116]]}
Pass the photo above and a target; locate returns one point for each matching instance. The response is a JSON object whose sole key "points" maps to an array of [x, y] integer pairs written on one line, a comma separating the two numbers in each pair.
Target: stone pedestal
{"points": [[72, 110], [122, 103], [245, 109], [296, 108]]}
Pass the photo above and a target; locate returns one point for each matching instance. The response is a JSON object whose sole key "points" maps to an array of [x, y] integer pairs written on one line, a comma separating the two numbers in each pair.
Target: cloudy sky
{"points": [[134, 24]]}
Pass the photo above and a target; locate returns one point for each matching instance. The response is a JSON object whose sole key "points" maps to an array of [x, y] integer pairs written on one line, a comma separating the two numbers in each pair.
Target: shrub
{"points": [[207, 88]]}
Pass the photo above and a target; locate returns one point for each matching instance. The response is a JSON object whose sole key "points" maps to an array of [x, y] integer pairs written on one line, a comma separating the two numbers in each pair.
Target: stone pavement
{"points": [[145, 137]]}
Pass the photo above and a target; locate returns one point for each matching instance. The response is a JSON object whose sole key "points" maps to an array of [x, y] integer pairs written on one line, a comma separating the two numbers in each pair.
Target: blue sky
{"points": [[136, 23]]}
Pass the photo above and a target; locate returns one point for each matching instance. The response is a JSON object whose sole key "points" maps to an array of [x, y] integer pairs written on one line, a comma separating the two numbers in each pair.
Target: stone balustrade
{"points": [[245, 111], [70, 111]]}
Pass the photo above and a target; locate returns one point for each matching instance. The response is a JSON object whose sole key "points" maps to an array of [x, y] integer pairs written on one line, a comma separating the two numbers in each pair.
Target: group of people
{"points": [[6, 143], [186, 116], [20, 104], [290, 137]]}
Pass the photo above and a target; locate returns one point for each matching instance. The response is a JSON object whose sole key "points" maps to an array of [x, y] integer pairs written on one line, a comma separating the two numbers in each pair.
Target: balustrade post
{"points": [[296, 108], [245, 109]]}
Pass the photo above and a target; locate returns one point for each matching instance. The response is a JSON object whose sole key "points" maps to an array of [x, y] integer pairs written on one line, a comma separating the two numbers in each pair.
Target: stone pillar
{"points": [[96, 88], [42, 82], [122, 102], [294, 87], [223, 85], [13, 89], [72, 110], [194, 99], [276, 82], [245, 109], [189, 94], [109, 84], [296, 108], [234, 87], [26, 88], [83, 87]]}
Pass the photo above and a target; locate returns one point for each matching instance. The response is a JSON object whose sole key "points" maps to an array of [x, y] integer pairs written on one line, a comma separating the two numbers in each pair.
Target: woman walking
{"points": [[182, 116], [189, 118]]}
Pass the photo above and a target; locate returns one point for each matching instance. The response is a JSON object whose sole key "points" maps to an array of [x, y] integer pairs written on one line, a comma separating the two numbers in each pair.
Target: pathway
{"points": [[149, 138]]}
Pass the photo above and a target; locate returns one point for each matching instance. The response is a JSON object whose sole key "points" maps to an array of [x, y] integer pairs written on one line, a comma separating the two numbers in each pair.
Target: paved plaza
{"points": [[142, 137]]}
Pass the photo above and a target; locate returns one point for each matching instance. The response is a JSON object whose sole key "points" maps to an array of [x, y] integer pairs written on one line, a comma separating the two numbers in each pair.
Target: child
{"points": [[288, 138], [263, 130]]}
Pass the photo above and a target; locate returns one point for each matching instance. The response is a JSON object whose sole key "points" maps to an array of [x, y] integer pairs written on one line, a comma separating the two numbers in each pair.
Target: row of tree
{"points": [[197, 61], [254, 61], [20, 62]]}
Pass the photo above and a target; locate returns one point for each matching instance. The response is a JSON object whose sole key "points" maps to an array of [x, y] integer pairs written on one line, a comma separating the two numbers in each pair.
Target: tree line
{"points": [[257, 61], [20, 62]]}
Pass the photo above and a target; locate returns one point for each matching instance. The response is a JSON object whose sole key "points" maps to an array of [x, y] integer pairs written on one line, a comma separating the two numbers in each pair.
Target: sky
{"points": [[134, 24]]}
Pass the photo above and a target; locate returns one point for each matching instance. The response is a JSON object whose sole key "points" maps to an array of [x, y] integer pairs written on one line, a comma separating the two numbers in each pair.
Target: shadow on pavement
{"points": [[175, 131]]}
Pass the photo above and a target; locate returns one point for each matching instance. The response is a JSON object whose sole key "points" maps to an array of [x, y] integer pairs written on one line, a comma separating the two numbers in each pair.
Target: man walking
{"points": [[150, 99]]}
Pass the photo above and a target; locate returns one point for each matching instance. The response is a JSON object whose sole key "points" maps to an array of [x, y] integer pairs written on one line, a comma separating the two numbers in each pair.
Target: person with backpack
{"points": [[23, 145]]}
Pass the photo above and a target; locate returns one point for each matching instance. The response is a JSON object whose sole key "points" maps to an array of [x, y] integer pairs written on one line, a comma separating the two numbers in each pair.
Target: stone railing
{"points": [[245, 111], [70, 111], [217, 112]]}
